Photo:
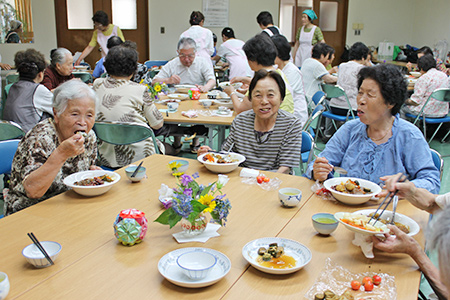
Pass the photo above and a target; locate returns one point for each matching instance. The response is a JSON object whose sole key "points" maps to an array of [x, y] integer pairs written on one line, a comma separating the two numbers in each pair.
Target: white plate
{"points": [[225, 103], [165, 101], [340, 215], [184, 88], [222, 168], [91, 190], [178, 96], [298, 251], [236, 85], [169, 269], [414, 228], [350, 198]]}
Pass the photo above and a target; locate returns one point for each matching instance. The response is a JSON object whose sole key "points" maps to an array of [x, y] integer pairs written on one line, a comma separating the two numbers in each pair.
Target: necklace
{"points": [[382, 138]]}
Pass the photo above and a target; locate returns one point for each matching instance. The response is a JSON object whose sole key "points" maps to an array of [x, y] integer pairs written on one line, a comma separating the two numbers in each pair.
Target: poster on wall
{"points": [[216, 13]]}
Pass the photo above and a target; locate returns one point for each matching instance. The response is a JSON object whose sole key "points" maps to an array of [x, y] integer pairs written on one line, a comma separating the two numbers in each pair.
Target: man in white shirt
{"points": [[187, 68], [314, 71]]}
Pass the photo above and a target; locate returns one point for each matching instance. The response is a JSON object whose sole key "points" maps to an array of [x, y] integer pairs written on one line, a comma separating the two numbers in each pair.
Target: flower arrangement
{"points": [[190, 200], [156, 89], [173, 167]]}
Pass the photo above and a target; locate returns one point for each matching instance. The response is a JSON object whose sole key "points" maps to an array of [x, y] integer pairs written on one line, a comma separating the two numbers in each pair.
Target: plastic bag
{"points": [[273, 184], [322, 192], [337, 279]]}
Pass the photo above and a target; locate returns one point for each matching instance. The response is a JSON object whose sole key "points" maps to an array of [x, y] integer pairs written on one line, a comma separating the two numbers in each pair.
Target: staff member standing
{"points": [[307, 36], [104, 30]]}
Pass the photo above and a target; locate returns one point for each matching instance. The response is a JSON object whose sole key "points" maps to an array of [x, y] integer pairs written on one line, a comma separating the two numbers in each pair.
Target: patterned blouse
{"points": [[425, 85], [33, 151], [125, 101]]}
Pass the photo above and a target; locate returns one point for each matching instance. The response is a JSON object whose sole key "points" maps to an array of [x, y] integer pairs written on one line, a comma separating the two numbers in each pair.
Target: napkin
{"points": [[247, 172], [365, 242], [190, 113], [210, 232], [227, 113]]}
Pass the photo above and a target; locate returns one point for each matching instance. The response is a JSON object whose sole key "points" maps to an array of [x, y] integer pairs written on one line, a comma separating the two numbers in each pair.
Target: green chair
{"points": [[84, 76], [124, 133], [9, 131], [11, 78], [335, 91], [440, 95]]}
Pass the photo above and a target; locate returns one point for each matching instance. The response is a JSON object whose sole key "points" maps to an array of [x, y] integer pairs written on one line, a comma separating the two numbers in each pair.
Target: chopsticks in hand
{"points": [[402, 178], [40, 247]]}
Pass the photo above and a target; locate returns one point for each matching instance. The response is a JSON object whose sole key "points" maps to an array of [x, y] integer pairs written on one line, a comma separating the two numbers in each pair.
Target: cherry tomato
{"points": [[367, 279], [368, 286], [376, 279], [266, 179], [356, 285], [260, 179]]}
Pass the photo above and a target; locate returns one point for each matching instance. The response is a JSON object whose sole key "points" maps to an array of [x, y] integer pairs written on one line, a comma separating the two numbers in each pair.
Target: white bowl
{"points": [[225, 103], [205, 102], [415, 74], [414, 228], [91, 190], [289, 197], [349, 198], [341, 215], [184, 88], [139, 175], [222, 168], [35, 257], [184, 164], [236, 85], [196, 264], [178, 96], [4, 285]]}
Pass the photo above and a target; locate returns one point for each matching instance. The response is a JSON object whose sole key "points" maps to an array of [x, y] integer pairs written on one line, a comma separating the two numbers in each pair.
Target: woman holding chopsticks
{"points": [[379, 143]]}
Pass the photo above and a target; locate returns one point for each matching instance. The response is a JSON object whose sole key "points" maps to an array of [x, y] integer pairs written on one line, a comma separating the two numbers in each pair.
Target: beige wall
{"points": [[43, 12], [242, 18]]}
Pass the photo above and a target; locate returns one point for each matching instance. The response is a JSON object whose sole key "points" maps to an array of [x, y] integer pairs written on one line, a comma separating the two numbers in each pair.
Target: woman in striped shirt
{"points": [[269, 138]]}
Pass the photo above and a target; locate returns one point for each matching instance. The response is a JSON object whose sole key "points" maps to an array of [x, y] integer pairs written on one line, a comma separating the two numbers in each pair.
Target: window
{"points": [[79, 14], [124, 14]]}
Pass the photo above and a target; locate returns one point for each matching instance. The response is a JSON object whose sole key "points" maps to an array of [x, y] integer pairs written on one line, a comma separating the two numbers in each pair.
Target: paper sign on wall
{"points": [[216, 13]]}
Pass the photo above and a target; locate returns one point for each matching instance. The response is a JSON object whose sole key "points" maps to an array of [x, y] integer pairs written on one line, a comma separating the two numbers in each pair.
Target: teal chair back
{"points": [[155, 63], [11, 78], [335, 91], [9, 131], [307, 149], [124, 133], [438, 161], [84, 76]]}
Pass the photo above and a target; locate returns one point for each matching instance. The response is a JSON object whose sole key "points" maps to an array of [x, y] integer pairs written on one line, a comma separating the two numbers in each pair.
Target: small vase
{"points": [[194, 228]]}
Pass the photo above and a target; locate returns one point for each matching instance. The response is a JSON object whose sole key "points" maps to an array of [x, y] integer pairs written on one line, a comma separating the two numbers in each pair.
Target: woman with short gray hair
{"points": [[54, 148], [60, 69]]}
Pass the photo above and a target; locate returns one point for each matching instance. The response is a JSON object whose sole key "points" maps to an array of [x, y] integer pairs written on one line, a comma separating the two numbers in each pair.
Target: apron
{"points": [[305, 47], [102, 40], [238, 62]]}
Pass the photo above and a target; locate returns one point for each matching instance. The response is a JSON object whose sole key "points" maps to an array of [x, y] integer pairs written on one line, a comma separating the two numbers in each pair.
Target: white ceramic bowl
{"points": [[415, 74], [184, 88], [342, 215], [414, 228], [184, 164], [91, 190], [349, 198], [222, 168], [225, 103], [139, 175], [205, 102], [289, 197], [324, 228], [236, 85], [35, 257], [196, 264], [4, 285]]}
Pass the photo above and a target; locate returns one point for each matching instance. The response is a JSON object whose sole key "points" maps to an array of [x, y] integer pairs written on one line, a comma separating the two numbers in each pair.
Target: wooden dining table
{"points": [[94, 265], [204, 117]]}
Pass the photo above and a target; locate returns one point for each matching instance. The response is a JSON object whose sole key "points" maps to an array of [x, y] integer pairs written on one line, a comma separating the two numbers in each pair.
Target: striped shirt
{"points": [[279, 147]]}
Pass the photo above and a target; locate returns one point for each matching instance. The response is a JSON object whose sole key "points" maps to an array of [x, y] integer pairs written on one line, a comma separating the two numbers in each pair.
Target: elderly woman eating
{"points": [[60, 69], [379, 143], [268, 137], [54, 148]]}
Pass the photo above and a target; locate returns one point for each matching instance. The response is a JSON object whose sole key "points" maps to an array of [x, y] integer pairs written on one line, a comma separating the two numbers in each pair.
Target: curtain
{"points": [[23, 8]]}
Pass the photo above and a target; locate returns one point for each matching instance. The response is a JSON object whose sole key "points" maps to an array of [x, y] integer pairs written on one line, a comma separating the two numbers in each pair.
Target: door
{"points": [[77, 39]]}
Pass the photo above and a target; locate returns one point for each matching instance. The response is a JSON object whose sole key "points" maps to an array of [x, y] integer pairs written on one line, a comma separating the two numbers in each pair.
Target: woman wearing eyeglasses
{"points": [[268, 137]]}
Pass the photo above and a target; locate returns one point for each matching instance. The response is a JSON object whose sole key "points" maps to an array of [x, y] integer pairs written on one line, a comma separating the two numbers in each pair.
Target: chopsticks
{"points": [[137, 169], [402, 178], [40, 247]]}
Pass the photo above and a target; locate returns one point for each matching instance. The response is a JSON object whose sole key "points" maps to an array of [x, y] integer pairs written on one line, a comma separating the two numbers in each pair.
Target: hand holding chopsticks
{"points": [[40, 247]]}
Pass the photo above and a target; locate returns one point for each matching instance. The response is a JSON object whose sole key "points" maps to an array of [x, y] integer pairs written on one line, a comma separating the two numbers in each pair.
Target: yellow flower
{"points": [[177, 174], [173, 166], [157, 88], [207, 200]]}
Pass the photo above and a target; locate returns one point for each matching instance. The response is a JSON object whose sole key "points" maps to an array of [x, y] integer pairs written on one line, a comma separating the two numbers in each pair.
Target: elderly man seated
{"points": [[187, 68], [60, 69]]}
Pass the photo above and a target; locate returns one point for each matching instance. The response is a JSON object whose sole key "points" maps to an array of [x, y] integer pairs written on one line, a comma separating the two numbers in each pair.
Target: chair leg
{"points": [[434, 134], [443, 140]]}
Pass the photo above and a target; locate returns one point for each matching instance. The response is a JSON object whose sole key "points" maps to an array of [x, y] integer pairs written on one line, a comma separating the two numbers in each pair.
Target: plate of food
{"points": [[165, 101], [236, 85], [276, 255], [415, 74], [170, 270], [359, 222], [178, 96], [92, 182], [221, 163], [350, 190], [184, 88], [404, 223]]}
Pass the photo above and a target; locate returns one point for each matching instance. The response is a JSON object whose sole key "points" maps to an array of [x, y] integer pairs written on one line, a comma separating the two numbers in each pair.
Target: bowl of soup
{"points": [[324, 223], [289, 197]]}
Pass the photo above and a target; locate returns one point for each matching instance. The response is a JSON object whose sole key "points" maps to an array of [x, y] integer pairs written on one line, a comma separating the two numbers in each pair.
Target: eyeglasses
{"points": [[188, 55]]}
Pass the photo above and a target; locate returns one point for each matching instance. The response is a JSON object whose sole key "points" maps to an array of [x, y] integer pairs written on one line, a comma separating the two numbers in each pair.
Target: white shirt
{"points": [[295, 78], [203, 39], [313, 71], [348, 80], [43, 100], [232, 51], [199, 72]]}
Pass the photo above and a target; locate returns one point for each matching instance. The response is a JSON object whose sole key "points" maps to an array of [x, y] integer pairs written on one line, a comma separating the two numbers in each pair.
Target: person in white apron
{"points": [[203, 37], [103, 31], [231, 49], [306, 39]]}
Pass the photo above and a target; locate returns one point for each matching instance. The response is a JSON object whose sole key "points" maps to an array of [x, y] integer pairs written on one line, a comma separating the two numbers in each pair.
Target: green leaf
{"points": [[207, 189], [174, 220], [194, 186], [164, 217], [215, 216], [197, 208]]}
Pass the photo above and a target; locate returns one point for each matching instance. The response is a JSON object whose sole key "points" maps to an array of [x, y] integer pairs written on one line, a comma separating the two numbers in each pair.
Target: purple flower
{"points": [[195, 175], [188, 192], [185, 179]]}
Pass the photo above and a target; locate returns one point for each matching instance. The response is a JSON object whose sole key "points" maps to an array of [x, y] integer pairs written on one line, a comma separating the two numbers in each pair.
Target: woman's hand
{"points": [[94, 167], [399, 242], [321, 169], [409, 66], [5, 66], [203, 150], [243, 79], [72, 146], [229, 89]]}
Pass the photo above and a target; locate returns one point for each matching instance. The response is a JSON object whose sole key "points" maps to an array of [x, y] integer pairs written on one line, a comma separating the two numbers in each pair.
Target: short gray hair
{"points": [[58, 56], [69, 90], [186, 43], [15, 24], [440, 240]]}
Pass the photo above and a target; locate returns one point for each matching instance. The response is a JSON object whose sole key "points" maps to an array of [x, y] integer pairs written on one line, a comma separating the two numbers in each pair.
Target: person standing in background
{"points": [[13, 34], [265, 22], [307, 36], [203, 37], [103, 31]]}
